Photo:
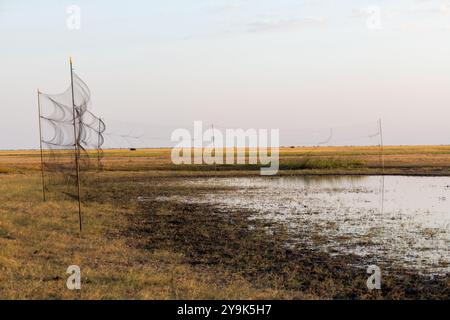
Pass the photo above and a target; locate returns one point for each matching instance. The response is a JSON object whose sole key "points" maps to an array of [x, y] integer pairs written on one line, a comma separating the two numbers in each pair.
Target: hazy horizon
{"points": [[299, 66]]}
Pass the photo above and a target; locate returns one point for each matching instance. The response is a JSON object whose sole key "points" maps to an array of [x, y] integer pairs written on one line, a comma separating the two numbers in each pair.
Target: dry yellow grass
{"points": [[426, 160], [39, 240]]}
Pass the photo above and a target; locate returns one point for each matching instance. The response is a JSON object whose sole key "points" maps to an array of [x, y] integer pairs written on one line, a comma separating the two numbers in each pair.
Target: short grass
{"points": [[120, 260], [39, 240], [410, 160]]}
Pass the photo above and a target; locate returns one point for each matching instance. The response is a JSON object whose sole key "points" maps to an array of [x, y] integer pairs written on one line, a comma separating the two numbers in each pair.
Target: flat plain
{"points": [[161, 249]]}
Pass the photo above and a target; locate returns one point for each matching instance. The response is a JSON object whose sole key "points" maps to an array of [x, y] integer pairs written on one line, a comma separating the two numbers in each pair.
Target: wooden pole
{"points": [[76, 147], [40, 144]]}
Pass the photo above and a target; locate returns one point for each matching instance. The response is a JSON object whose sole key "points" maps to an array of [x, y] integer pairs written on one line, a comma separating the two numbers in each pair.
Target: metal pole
{"points": [[381, 146], [40, 145], [382, 165], [214, 146], [98, 144], [77, 163]]}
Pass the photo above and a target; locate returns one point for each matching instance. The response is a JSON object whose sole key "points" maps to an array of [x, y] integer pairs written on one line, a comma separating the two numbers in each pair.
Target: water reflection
{"points": [[392, 220]]}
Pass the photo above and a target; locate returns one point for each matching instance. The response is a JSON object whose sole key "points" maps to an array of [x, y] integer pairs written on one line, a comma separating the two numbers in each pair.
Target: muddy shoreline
{"points": [[227, 243]]}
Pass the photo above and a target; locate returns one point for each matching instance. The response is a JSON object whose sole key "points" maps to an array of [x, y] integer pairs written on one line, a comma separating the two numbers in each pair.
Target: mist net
{"points": [[70, 133]]}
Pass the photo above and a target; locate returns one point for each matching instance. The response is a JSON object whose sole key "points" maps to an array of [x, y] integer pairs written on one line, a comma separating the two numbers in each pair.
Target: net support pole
{"points": [[381, 146], [98, 143], [76, 147], [40, 144], [214, 146], [382, 165]]}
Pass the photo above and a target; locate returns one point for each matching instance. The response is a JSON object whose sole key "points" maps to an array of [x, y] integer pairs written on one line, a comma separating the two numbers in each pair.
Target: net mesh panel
{"points": [[362, 134], [69, 129], [126, 135]]}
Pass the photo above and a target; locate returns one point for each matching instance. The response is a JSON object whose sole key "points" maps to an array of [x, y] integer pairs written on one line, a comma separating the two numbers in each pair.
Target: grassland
{"points": [[163, 250], [408, 160]]}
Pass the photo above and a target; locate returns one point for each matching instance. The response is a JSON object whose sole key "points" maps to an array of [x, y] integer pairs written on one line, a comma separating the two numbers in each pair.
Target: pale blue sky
{"points": [[283, 64]]}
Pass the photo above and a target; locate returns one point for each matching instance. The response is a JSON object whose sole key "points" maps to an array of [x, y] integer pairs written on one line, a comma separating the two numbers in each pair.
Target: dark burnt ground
{"points": [[227, 243]]}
